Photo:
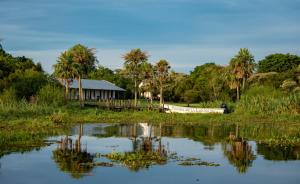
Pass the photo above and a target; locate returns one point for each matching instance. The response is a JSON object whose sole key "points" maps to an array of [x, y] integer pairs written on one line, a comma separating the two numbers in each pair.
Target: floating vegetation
{"points": [[192, 161], [139, 159], [198, 163], [101, 164]]}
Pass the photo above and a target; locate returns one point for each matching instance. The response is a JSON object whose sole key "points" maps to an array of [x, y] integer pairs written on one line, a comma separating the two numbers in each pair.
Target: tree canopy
{"points": [[278, 63], [20, 73]]}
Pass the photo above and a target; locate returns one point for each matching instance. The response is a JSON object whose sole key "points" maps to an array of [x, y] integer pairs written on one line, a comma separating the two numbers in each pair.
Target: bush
{"points": [[267, 101], [27, 83], [58, 117], [51, 95], [8, 97]]}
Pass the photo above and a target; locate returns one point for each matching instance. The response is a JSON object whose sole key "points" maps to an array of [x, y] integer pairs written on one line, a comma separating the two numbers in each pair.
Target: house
{"points": [[143, 90], [95, 90]]}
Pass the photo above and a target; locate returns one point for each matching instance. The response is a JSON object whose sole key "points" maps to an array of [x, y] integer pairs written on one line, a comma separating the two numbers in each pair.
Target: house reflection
{"points": [[239, 152], [147, 148], [145, 138], [71, 157]]}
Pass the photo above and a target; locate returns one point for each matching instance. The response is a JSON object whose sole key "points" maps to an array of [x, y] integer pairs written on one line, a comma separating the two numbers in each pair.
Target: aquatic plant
{"points": [[139, 159]]}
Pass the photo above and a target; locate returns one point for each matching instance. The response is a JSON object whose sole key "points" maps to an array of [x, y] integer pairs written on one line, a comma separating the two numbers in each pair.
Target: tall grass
{"points": [[51, 95], [267, 101], [12, 108]]}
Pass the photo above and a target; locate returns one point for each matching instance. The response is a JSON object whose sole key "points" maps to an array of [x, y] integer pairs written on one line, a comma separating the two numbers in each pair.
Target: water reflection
{"points": [[71, 157], [147, 148], [142, 145], [279, 152], [238, 151], [234, 139]]}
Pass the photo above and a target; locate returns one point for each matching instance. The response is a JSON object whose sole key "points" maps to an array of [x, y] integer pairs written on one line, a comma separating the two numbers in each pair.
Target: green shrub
{"points": [[51, 95], [268, 100], [58, 117], [11, 107], [8, 96]]}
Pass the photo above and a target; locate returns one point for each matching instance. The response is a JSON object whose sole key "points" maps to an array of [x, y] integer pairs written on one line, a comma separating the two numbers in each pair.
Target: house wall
{"points": [[90, 94]]}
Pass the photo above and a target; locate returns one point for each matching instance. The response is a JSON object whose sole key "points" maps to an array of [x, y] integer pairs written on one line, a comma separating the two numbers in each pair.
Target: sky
{"points": [[187, 33]]}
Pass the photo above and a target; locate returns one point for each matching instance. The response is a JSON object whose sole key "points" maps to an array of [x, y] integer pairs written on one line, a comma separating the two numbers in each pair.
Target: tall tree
{"points": [[242, 67], [233, 82], [65, 71], [162, 68], [83, 61], [149, 79], [133, 64]]}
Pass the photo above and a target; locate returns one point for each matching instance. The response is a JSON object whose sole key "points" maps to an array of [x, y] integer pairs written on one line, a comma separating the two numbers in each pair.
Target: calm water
{"points": [[214, 154]]}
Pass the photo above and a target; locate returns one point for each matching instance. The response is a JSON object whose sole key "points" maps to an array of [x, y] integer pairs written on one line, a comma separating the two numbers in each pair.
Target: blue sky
{"points": [[185, 32]]}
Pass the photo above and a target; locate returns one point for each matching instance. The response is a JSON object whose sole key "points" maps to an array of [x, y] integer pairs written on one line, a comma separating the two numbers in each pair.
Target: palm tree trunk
{"points": [[238, 93], [151, 98], [135, 93], [67, 90], [237, 131], [161, 94], [80, 92], [244, 83]]}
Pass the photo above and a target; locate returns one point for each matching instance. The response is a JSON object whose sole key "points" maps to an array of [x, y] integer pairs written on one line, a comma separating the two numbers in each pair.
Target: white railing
{"points": [[178, 109]]}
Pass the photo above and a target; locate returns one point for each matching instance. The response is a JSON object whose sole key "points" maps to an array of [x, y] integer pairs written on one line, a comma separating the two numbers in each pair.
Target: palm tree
{"points": [[242, 67], [84, 61], [233, 81], [149, 79], [162, 68], [133, 62], [64, 70]]}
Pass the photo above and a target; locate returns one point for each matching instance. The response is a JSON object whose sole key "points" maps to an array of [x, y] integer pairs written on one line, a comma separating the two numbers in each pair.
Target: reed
{"points": [[268, 101]]}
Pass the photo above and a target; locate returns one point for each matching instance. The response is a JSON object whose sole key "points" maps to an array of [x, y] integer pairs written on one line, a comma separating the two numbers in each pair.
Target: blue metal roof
{"points": [[96, 84]]}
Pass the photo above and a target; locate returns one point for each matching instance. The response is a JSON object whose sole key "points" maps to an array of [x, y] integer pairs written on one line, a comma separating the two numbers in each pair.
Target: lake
{"points": [[145, 153]]}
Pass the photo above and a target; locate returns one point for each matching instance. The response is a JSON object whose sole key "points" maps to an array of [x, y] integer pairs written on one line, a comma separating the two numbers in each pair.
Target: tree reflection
{"points": [[238, 152], [147, 150], [72, 158], [279, 152]]}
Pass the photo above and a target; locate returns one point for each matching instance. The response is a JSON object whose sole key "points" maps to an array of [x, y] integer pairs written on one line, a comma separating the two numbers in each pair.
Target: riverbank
{"points": [[30, 124], [72, 113]]}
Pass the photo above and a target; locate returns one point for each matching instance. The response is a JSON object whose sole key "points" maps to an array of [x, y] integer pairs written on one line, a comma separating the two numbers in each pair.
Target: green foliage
{"points": [[20, 73], [191, 96], [139, 159], [278, 63], [27, 83], [162, 68], [267, 101], [240, 154], [50, 95], [133, 63], [272, 79], [83, 59], [241, 68], [8, 96], [289, 84], [59, 117], [208, 81], [102, 73], [76, 163], [116, 77]]}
